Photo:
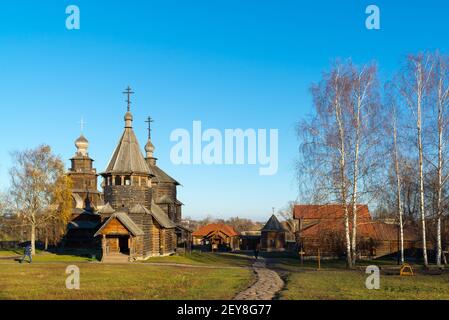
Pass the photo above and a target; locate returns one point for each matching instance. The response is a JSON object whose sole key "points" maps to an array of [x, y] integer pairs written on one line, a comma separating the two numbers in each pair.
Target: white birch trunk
{"points": [[33, 235], [421, 174], [398, 193], [343, 192], [440, 169], [355, 183]]}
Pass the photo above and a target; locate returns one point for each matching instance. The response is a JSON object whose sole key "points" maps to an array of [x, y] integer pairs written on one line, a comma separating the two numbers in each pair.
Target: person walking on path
{"points": [[27, 254], [256, 252]]}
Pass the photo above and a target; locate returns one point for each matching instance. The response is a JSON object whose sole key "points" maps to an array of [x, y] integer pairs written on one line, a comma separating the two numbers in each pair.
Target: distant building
{"points": [[216, 237], [273, 236], [250, 240], [386, 238], [322, 228]]}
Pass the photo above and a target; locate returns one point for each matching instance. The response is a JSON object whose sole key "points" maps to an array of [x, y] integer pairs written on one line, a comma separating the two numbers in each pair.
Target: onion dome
{"points": [[128, 120], [82, 144], [149, 149]]}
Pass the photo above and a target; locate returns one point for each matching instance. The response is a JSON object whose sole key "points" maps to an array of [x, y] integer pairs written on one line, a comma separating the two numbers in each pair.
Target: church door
{"points": [[124, 245]]}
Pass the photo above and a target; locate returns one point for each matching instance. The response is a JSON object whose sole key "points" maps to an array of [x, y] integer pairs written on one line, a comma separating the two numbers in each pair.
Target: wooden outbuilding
{"points": [[273, 236], [216, 237], [250, 240], [322, 228]]}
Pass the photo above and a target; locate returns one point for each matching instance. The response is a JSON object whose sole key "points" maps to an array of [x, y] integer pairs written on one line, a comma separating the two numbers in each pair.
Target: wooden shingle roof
{"points": [[321, 220], [224, 228], [107, 209], [161, 176], [156, 212], [125, 220], [390, 232], [165, 199], [82, 225], [127, 157], [273, 225], [161, 217], [328, 211]]}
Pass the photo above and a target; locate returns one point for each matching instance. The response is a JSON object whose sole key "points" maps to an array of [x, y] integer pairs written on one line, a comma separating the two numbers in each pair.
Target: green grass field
{"points": [[206, 276], [334, 282], [13, 253], [121, 282], [197, 258], [350, 285], [294, 264], [209, 278], [6, 256]]}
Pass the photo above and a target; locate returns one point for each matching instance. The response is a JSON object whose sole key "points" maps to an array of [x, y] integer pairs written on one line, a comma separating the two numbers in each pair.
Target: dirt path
{"points": [[267, 285]]}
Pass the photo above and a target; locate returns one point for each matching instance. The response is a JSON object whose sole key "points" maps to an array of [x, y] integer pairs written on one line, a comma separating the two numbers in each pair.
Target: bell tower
{"points": [[84, 177], [127, 179]]}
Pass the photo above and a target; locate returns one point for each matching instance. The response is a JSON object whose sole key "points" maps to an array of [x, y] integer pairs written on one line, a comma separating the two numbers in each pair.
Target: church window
{"points": [[118, 181], [127, 181]]}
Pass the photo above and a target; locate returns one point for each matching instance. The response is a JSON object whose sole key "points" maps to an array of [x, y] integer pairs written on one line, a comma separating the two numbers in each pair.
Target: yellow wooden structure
{"points": [[406, 270]]}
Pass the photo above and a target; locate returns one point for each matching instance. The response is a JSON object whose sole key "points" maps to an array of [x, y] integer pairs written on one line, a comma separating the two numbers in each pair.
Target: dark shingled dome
{"points": [[273, 225]]}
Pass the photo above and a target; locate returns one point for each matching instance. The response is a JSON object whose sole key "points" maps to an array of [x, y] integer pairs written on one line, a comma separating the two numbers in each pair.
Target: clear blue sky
{"points": [[230, 64]]}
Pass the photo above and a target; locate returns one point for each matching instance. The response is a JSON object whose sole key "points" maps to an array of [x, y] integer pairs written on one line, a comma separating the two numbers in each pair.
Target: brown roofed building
{"points": [[322, 227], [386, 238], [316, 220], [217, 237]]}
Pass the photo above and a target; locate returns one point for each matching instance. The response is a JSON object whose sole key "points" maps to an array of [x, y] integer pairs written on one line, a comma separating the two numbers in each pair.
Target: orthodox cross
{"points": [[149, 121], [128, 91], [82, 125]]}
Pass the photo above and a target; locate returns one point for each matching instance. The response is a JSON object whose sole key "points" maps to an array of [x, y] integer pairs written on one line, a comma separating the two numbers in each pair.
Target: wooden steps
{"points": [[116, 258]]}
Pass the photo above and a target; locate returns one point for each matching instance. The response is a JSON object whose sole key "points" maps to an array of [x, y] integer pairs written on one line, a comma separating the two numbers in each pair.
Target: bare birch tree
{"points": [[339, 84], [441, 101], [364, 111], [324, 141], [399, 205], [414, 86]]}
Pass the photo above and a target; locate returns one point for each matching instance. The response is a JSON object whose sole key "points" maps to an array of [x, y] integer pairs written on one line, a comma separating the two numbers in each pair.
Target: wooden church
{"points": [[138, 214]]}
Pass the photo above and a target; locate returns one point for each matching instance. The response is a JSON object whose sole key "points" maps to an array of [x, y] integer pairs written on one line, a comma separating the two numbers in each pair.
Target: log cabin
{"points": [[273, 236], [217, 237], [322, 228]]}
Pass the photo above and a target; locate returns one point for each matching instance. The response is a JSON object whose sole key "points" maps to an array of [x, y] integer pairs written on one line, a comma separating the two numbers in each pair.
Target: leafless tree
{"points": [[414, 87], [441, 91], [292, 224], [397, 172], [365, 107], [337, 144]]}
